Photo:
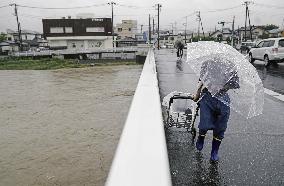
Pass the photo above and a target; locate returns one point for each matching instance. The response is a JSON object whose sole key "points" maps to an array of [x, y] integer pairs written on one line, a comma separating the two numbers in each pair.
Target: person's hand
{"points": [[195, 98]]}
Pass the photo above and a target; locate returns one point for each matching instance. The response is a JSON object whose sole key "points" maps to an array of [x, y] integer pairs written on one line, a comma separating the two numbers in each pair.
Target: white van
{"points": [[268, 50]]}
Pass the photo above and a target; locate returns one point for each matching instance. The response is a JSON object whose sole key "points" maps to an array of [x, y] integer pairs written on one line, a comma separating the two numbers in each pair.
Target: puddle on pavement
{"points": [[61, 127]]}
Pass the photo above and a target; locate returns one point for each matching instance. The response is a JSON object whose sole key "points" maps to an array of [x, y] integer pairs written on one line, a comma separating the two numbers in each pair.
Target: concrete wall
{"points": [[81, 42], [57, 43]]}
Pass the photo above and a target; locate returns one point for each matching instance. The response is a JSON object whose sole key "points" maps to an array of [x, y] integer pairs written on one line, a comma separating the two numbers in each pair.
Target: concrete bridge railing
{"points": [[141, 158]]}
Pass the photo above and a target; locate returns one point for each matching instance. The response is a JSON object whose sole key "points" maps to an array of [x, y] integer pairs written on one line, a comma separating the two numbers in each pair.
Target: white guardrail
{"points": [[141, 158]]}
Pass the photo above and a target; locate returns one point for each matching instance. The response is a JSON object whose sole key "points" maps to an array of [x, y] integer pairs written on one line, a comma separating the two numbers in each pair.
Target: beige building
{"points": [[128, 28]]}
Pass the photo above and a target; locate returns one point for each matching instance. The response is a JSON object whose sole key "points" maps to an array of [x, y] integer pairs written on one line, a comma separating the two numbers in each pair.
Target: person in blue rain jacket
{"points": [[214, 114]]}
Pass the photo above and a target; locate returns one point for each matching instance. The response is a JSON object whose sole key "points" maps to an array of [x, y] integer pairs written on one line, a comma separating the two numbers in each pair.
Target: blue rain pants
{"points": [[214, 114]]}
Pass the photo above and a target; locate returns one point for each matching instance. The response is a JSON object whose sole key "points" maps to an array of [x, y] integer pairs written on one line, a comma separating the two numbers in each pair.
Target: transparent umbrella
{"points": [[222, 69]]}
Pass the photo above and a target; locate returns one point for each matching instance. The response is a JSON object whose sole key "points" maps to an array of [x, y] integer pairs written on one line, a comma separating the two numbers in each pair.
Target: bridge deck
{"points": [[251, 153]]}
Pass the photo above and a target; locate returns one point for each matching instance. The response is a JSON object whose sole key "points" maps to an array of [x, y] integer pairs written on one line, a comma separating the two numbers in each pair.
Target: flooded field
{"points": [[61, 127]]}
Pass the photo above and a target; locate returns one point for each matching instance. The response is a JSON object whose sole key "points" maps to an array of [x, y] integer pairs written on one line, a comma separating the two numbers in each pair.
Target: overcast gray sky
{"points": [[172, 11]]}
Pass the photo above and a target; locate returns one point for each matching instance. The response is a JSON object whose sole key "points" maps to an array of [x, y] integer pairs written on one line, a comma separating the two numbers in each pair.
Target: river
{"points": [[62, 127]]}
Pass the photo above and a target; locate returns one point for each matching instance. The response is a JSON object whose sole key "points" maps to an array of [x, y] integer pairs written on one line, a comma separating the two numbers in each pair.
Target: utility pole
{"points": [[198, 19], [172, 28], [150, 29], [201, 26], [112, 3], [176, 28], [246, 3], [159, 9], [249, 26], [185, 29], [222, 23], [18, 25], [153, 26], [233, 32], [141, 28], [239, 34]]}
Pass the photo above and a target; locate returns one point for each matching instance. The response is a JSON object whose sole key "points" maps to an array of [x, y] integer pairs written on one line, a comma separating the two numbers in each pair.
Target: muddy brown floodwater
{"points": [[62, 127]]}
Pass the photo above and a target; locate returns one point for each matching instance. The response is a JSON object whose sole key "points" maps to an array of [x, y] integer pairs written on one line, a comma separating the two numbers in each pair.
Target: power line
{"points": [[133, 6], [32, 16], [4, 6], [282, 14], [269, 6], [189, 15], [78, 7], [222, 9], [130, 15], [211, 11], [60, 8]]}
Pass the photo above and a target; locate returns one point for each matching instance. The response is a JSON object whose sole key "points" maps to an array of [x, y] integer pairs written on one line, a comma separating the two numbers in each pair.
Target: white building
{"points": [[128, 28], [78, 34]]}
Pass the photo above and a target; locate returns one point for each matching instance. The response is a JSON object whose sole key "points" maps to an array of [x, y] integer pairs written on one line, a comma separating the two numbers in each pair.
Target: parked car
{"points": [[268, 50], [41, 49], [169, 45], [246, 46]]}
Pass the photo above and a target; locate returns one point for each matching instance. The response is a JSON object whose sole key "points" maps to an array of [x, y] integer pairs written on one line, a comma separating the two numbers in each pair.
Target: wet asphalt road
{"points": [[252, 152], [272, 76]]}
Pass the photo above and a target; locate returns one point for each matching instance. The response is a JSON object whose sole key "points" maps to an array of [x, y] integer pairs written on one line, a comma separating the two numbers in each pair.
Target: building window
{"points": [[56, 30], [68, 30], [74, 45], [119, 29], [95, 29], [129, 29]]}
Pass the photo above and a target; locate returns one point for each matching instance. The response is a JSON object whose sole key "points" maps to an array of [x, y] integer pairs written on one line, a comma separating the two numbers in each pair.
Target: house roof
{"points": [[227, 31], [252, 28], [7, 43], [32, 42], [4, 44], [275, 31], [9, 31], [215, 32]]}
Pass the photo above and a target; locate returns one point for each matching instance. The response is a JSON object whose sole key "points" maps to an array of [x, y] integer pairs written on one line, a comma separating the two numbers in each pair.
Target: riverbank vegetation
{"points": [[54, 63]]}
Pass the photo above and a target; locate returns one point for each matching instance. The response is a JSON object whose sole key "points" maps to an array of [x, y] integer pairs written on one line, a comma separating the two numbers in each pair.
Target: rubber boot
{"points": [[216, 142], [200, 141]]}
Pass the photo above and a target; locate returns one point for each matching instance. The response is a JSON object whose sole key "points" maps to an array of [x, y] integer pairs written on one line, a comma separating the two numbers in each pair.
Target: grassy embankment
{"points": [[51, 63]]}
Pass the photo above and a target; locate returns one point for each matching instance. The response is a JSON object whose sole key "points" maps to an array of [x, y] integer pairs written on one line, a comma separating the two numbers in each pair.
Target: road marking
{"points": [[274, 94]]}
